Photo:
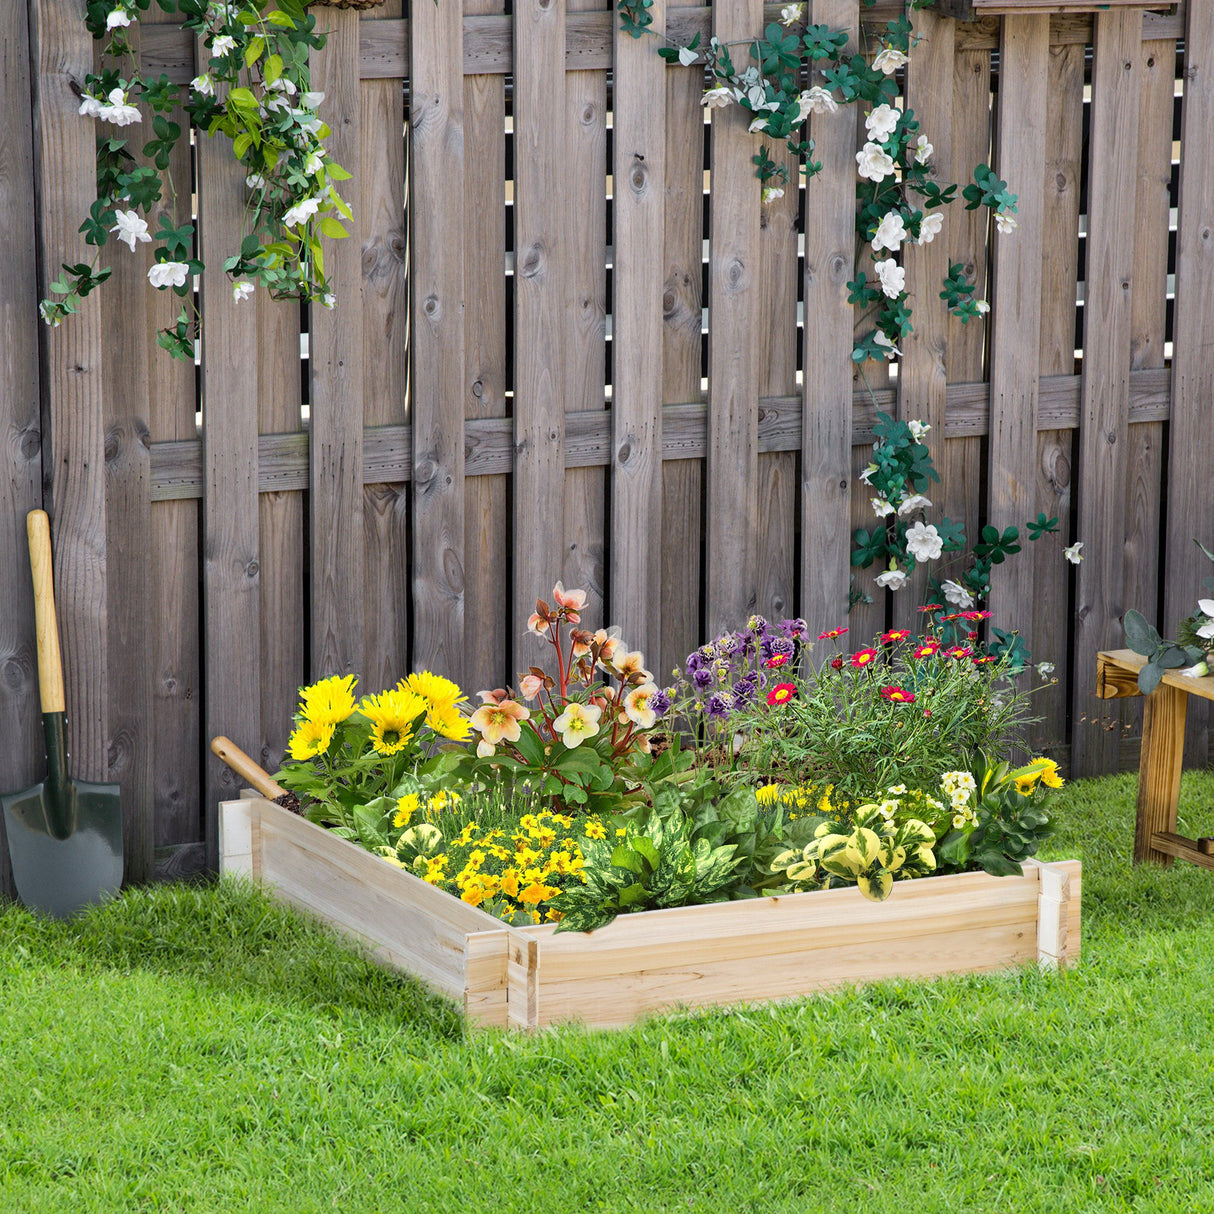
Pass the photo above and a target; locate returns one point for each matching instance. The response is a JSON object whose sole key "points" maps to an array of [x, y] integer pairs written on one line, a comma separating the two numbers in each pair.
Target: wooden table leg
{"points": [[1163, 721]]}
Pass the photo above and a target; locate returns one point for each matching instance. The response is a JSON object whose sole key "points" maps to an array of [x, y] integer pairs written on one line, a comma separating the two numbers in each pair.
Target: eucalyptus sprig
{"points": [[256, 92]]}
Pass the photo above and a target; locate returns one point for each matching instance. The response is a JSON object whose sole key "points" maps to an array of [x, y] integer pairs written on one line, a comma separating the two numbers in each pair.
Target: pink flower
{"points": [[529, 686], [897, 695], [863, 656], [570, 601], [499, 722]]}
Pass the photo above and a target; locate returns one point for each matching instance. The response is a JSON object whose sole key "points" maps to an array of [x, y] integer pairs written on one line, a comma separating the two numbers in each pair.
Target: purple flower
{"points": [[757, 624], [793, 629], [695, 661], [732, 643], [744, 689], [719, 706], [773, 645], [702, 679], [660, 701]]}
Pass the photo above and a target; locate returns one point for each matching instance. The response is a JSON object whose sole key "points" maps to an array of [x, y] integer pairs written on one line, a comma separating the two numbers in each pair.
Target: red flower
{"points": [[781, 693], [958, 652], [926, 649], [776, 659], [895, 634], [948, 619], [983, 660], [836, 663], [932, 607], [863, 657], [971, 636], [833, 635], [897, 695]]}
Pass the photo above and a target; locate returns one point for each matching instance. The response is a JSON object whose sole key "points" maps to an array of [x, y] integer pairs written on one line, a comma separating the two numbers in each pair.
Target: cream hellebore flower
{"points": [[915, 502], [130, 228], [577, 723], [884, 342], [882, 508], [771, 193], [223, 45], [203, 84], [717, 98], [530, 686], [881, 122], [1073, 554], [241, 290], [301, 212], [687, 56], [117, 111], [918, 429], [923, 150], [892, 579], [168, 274], [790, 14], [497, 722], [874, 162], [892, 277], [929, 227], [889, 61], [636, 705], [116, 18], [1005, 222], [890, 233], [924, 542], [957, 594], [816, 100]]}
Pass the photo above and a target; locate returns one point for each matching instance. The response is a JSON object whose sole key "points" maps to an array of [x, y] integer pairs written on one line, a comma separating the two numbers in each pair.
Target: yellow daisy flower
{"points": [[406, 807], [447, 720], [595, 830], [392, 715], [311, 738], [445, 798], [433, 688], [329, 701]]}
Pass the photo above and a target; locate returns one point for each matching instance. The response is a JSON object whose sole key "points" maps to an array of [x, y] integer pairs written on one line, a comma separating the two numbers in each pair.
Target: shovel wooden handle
{"points": [[246, 768], [50, 664]]}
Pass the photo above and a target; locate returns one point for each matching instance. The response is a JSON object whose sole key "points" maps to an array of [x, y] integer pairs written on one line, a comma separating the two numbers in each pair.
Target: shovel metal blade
{"points": [[62, 876]]}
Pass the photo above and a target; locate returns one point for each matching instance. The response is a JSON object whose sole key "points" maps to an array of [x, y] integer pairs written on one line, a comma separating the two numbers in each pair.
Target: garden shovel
{"points": [[64, 835]]}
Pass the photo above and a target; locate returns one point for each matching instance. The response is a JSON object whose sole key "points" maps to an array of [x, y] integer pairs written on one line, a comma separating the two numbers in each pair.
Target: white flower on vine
{"points": [[884, 343], [816, 100], [1005, 221], [929, 227], [923, 542], [283, 85], [310, 101], [90, 106], [916, 501], [130, 228], [923, 150], [891, 276], [687, 56], [117, 17], [790, 14], [118, 111], [717, 98], [882, 122], [1073, 553], [46, 314], [890, 233], [223, 45], [203, 84], [301, 212], [1045, 669], [168, 274], [330, 300], [867, 475], [889, 61], [874, 162], [918, 429], [241, 291], [255, 181], [771, 193], [756, 95], [892, 579], [757, 124], [982, 306], [1206, 607], [881, 507], [314, 163], [957, 594]]}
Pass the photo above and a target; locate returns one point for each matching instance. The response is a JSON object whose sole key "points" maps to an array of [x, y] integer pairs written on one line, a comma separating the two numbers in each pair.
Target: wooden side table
{"points": [[1163, 719]]}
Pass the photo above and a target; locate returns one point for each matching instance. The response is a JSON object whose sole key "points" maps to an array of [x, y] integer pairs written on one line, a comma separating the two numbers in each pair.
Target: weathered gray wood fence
{"points": [[551, 359]]}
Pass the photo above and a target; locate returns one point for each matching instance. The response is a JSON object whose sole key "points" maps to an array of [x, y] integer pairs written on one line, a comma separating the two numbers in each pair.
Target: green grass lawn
{"points": [[189, 1049]]}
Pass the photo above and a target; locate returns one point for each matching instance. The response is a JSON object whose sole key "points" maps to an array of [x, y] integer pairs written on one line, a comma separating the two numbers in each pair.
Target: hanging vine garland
{"points": [[256, 92]]}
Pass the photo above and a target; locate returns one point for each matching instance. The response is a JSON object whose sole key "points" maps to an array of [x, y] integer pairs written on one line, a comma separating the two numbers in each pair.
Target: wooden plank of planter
{"points": [[486, 510], [732, 490], [1190, 509], [1060, 250], [436, 175], [638, 212], [1113, 167], [541, 324], [1015, 308], [65, 163], [826, 419], [336, 586], [682, 360], [385, 304]]}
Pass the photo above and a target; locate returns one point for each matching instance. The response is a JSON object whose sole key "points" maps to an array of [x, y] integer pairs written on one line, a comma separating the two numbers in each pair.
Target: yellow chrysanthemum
{"points": [[449, 722], [433, 688], [406, 807], [1025, 785], [595, 830], [1050, 777], [311, 738], [537, 892], [392, 715], [329, 701], [509, 883]]}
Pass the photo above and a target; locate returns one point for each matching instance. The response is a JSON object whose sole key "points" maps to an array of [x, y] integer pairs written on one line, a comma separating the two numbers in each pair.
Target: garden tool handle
{"points": [[50, 664], [246, 768]]}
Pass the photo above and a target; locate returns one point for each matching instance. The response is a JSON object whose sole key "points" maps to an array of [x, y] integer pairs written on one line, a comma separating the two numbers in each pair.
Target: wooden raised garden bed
{"points": [[695, 956]]}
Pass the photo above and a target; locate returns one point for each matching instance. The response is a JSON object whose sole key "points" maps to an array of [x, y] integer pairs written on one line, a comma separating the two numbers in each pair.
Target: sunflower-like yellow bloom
{"points": [[330, 701], [406, 807], [392, 715], [311, 738], [447, 720], [433, 688]]}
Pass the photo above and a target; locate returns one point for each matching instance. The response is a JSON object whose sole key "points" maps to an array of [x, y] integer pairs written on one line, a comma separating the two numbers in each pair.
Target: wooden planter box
{"points": [[695, 956]]}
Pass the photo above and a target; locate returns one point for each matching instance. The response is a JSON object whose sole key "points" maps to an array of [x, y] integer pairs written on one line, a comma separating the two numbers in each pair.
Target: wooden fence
{"points": [[570, 343]]}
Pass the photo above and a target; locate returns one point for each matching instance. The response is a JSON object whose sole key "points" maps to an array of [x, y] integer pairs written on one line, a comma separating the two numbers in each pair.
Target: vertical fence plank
{"points": [[1024, 53], [732, 470], [437, 168], [1112, 170], [826, 429], [381, 227], [638, 206], [584, 562], [540, 301], [1190, 503], [74, 449], [923, 373], [486, 508], [682, 360], [336, 434], [231, 555], [1060, 250], [21, 485]]}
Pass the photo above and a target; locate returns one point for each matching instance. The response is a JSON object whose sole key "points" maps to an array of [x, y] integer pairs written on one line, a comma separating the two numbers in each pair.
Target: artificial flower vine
{"points": [[899, 202], [256, 91]]}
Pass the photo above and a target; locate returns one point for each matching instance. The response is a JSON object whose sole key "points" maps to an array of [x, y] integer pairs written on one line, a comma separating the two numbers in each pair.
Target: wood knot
{"points": [[532, 265]]}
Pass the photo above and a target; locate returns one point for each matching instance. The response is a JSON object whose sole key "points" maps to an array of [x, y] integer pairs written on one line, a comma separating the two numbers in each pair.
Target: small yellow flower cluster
{"points": [[958, 787], [799, 797]]}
